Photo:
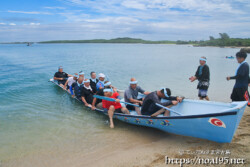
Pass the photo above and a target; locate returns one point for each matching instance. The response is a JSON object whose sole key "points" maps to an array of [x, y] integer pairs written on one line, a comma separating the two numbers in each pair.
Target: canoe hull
{"points": [[215, 128], [218, 127]]}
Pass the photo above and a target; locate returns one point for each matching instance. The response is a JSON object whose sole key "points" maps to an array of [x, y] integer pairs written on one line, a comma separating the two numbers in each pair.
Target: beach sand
{"points": [[152, 154], [147, 148]]}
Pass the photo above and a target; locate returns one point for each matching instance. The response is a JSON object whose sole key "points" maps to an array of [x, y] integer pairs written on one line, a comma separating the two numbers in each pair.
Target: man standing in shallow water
{"points": [[240, 90], [203, 76]]}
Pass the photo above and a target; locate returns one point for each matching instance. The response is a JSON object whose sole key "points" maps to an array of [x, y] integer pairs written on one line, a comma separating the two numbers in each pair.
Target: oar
{"points": [[111, 99], [167, 108]]}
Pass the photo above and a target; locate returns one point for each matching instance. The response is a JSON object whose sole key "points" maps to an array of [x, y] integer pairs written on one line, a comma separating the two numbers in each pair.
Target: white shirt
{"points": [[71, 81]]}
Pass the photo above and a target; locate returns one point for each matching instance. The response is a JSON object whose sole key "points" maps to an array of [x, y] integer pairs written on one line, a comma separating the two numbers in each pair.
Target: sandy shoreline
{"points": [[148, 149], [153, 154]]}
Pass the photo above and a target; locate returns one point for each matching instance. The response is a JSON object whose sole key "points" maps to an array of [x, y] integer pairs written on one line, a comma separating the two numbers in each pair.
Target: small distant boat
{"points": [[29, 44], [215, 121], [229, 57]]}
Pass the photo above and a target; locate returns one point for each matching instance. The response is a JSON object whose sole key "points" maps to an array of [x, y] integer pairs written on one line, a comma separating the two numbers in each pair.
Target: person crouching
{"points": [[113, 106]]}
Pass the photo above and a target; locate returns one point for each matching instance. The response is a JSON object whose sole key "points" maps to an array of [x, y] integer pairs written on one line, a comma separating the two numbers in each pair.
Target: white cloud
{"points": [[12, 24], [2, 23], [54, 7], [35, 24], [134, 4], [33, 12]]}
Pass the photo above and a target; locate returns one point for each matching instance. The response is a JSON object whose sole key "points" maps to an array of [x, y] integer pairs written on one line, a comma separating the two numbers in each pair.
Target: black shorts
{"points": [[130, 107], [61, 82], [240, 94], [119, 110]]}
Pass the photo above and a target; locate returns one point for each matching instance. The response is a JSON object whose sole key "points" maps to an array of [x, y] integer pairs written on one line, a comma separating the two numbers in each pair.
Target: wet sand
{"points": [[146, 148]]}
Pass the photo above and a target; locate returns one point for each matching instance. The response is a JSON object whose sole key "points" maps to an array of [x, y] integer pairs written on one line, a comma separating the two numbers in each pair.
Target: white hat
{"points": [[101, 75]]}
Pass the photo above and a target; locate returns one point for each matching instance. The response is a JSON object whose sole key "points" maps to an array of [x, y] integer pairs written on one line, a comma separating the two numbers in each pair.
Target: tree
{"points": [[224, 36], [211, 38]]}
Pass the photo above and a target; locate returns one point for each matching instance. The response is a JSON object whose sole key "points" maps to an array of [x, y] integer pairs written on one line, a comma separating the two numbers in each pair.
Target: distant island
{"points": [[116, 40], [223, 41]]}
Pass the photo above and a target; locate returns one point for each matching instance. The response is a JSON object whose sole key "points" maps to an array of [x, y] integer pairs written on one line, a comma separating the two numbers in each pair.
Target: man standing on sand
{"points": [[203, 76], [240, 90]]}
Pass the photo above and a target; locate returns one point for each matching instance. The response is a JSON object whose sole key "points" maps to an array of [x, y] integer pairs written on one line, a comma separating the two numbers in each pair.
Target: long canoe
{"points": [[215, 121]]}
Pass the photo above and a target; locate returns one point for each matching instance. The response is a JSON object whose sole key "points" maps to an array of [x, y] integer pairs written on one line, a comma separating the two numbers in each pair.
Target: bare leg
{"points": [[137, 109], [125, 110], [111, 113], [167, 113], [158, 112], [201, 98], [207, 98], [99, 105]]}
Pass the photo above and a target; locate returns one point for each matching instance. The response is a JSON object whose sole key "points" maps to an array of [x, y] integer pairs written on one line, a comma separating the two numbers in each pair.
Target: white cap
{"points": [[101, 75]]}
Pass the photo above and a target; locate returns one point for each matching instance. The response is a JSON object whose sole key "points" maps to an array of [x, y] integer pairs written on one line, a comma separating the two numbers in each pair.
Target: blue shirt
{"points": [[99, 84], [242, 76]]}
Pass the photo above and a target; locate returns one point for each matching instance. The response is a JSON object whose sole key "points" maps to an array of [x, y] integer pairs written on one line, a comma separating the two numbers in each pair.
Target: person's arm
{"points": [[241, 73], [71, 90], [69, 75], [193, 78], [134, 100], [84, 101], [93, 104], [57, 78], [66, 83], [197, 73]]}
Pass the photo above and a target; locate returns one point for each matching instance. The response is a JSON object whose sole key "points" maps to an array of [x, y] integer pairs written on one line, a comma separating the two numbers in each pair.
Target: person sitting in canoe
{"points": [[100, 83], [131, 94], [149, 105], [113, 106], [93, 81], [87, 93], [97, 103], [81, 74], [61, 77], [70, 81], [203, 76], [77, 88]]}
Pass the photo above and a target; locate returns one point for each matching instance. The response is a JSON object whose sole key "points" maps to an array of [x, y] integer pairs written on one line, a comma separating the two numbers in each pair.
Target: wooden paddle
{"points": [[167, 108], [111, 99]]}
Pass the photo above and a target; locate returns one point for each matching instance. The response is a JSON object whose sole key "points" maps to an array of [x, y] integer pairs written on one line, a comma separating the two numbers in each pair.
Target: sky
{"points": [[42, 20]]}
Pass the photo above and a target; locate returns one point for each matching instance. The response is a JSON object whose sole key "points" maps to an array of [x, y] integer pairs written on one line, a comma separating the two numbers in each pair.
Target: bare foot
{"points": [[111, 126]]}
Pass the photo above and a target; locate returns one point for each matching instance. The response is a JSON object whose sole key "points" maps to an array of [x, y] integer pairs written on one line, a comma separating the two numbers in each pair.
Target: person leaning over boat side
{"points": [[61, 76], [93, 81], [149, 106], [131, 94], [240, 90], [87, 93], [203, 76], [81, 74], [100, 83], [70, 81], [111, 106], [97, 103], [77, 87]]}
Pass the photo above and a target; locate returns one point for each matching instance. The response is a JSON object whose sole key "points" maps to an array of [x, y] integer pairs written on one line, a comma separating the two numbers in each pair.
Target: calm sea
{"points": [[38, 119]]}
